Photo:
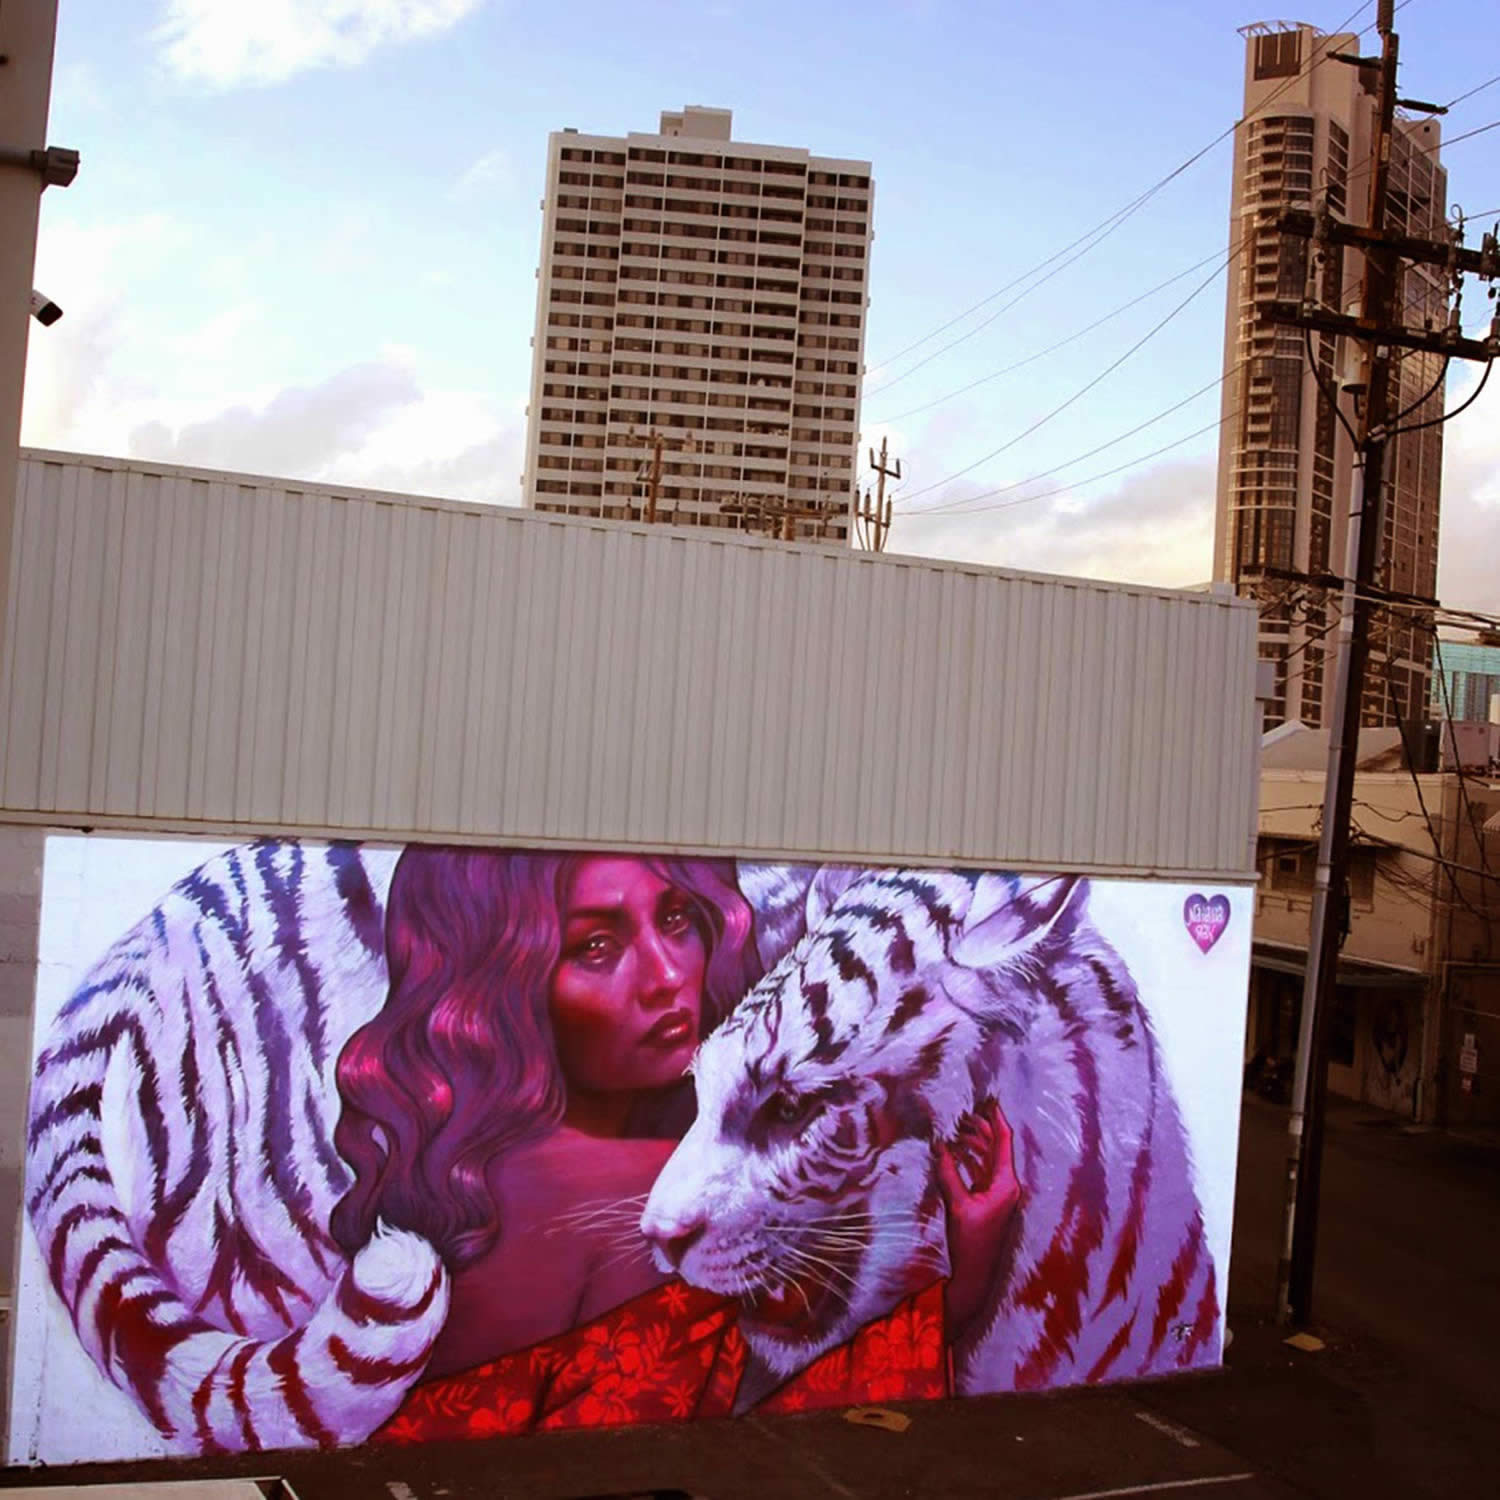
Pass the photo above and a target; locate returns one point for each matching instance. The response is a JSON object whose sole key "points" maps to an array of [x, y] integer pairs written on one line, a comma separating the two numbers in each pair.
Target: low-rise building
{"points": [[1465, 704], [1416, 1021]]}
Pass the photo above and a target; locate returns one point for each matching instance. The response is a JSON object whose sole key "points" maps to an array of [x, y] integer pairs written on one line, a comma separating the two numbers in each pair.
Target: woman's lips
{"points": [[672, 1030]]}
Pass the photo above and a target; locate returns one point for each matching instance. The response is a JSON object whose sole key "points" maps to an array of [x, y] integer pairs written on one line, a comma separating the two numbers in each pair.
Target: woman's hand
{"points": [[976, 1175]]}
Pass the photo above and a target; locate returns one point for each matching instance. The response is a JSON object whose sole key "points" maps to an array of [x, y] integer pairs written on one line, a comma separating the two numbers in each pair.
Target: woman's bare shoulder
{"points": [[569, 1167], [568, 1246]]}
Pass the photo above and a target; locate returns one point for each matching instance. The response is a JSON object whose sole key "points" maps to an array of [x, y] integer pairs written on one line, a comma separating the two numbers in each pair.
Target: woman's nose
{"points": [[661, 969]]}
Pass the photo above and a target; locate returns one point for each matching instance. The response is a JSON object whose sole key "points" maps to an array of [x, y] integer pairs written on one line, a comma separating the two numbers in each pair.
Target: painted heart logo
{"points": [[1205, 917]]}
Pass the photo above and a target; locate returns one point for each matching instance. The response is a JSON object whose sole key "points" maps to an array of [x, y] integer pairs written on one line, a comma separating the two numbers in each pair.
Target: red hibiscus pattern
{"points": [[671, 1355]]}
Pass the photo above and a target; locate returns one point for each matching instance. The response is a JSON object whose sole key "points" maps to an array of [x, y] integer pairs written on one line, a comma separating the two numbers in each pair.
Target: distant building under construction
{"points": [[700, 330], [1285, 461]]}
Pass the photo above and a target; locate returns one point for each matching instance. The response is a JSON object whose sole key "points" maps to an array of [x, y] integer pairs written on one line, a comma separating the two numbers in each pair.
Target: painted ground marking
{"points": [[1179, 1435], [1157, 1488]]}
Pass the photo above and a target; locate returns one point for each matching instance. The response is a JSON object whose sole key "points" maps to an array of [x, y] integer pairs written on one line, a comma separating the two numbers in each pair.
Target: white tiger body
{"points": [[807, 1176], [180, 1165]]}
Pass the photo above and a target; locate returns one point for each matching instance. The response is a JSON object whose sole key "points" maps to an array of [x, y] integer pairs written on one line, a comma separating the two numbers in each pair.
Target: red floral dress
{"points": [[672, 1354]]}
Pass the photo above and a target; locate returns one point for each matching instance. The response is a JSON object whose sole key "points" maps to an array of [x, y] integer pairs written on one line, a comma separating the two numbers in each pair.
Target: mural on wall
{"points": [[343, 1143], [1390, 1053]]}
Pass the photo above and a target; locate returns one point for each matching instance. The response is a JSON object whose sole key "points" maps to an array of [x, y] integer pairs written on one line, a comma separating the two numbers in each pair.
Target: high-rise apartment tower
{"points": [[1286, 464], [710, 293]]}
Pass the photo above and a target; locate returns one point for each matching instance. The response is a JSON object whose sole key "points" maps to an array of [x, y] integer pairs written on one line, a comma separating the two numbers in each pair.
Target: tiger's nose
{"points": [[675, 1246]]}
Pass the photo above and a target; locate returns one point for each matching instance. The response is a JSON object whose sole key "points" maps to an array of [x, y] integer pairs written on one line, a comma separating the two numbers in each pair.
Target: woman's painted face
{"points": [[627, 995]]}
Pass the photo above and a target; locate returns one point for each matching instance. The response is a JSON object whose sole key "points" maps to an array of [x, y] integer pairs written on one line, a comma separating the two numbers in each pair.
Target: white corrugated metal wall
{"points": [[195, 650]]}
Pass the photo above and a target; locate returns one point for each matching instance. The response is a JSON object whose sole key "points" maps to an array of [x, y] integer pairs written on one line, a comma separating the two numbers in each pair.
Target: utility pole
{"points": [[765, 513], [649, 473], [654, 483], [873, 520], [1377, 329]]}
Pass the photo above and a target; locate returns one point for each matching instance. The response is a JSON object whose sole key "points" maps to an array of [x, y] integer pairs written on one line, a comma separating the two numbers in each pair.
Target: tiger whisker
{"points": [[621, 1256], [593, 1203], [818, 1266], [844, 1218], [612, 1209], [605, 1226], [603, 1213], [816, 1276], [619, 1211], [828, 1241]]}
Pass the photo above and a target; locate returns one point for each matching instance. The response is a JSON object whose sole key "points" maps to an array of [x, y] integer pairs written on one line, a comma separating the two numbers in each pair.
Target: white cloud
{"points": [[1156, 529], [226, 43], [298, 433], [371, 425], [460, 445], [1469, 533], [74, 375], [494, 173], [120, 375]]}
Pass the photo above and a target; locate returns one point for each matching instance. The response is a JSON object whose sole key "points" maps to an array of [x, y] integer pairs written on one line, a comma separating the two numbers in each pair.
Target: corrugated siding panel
{"points": [[193, 649]]}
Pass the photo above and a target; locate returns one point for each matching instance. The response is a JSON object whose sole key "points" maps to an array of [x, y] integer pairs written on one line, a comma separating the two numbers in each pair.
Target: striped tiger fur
{"points": [[180, 1165], [909, 998]]}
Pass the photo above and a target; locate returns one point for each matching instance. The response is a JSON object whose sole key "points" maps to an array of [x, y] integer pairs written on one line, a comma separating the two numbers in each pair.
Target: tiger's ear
{"points": [[827, 886], [1009, 917], [778, 898]]}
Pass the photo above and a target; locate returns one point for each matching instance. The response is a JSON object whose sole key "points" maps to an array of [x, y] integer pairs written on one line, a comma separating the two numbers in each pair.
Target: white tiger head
{"points": [[805, 1185]]}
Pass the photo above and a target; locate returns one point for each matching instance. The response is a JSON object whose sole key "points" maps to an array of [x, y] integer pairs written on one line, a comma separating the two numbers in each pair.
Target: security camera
{"points": [[44, 309]]}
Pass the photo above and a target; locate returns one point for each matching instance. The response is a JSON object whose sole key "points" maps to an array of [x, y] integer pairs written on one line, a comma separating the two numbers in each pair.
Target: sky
{"points": [[304, 237]]}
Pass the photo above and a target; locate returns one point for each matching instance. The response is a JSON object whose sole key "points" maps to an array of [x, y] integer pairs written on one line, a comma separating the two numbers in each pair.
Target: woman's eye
{"points": [[676, 920], [598, 949]]}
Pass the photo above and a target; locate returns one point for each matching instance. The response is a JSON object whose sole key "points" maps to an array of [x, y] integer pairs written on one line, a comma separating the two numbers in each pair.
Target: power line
{"points": [[926, 406], [957, 505], [1419, 150], [1108, 225], [1000, 311], [1415, 884], [1451, 865], [1453, 140], [1051, 348], [967, 504], [1084, 389], [1432, 833], [1476, 825], [1467, 619], [1477, 89], [1443, 417], [1312, 640], [1078, 484], [1095, 235], [1440, 614]]}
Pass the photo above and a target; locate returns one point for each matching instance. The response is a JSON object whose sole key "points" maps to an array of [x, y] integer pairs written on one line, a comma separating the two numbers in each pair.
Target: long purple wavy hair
{"points": [[460, 1065]]}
